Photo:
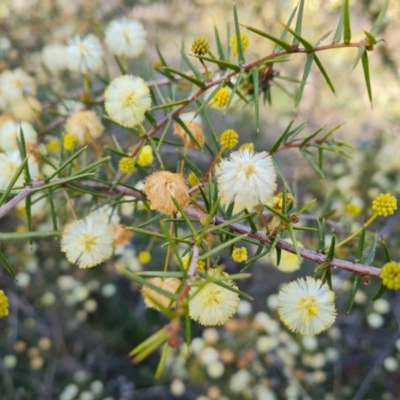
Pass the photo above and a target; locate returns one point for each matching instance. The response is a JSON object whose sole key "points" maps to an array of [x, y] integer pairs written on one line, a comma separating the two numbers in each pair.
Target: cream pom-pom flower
{"points": [[212, 304], [84, 54], [54, 57], [154, 299], [127, 98], [87, 242], [193, 124], [80, 124], [289, 262], [307, 306], [9, 164], [16, 84], [246, 178], [26, 109], [10, 134], [125, 37]]}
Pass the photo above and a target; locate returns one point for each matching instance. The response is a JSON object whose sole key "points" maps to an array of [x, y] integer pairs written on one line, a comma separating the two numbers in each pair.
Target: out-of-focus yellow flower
{"points": [[126, 165], [233, 43], [144, 257], [69, 142], [145, 157], [352, 210], [193, 180], [3, 304]]}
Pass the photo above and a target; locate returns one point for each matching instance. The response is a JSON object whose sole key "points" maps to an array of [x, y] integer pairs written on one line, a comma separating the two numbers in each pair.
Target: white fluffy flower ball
{"points": [[54, 57], [87, 242], [16, 84], [127, 98], [246, 178], [9, 164], [10, 131], [84, 54], [125, 38]]}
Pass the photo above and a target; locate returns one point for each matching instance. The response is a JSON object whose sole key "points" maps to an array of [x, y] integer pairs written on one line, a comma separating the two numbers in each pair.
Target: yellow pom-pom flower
{"points": [[53, 145], [193, 180], [3, 304], [221, 97], [229, 138], [126, 165], [390, 275], [239, 254], [212, 304], [385, 204], [145, 157], [306, 306], [200, 46], [352, 210], [144, 257], [248, 146], [200, 264], [69, 142], [233, 43]]}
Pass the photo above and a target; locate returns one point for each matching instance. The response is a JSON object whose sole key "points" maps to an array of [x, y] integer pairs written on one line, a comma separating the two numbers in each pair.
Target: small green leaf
{"points": [[7, 266], [189, 78], [299, 23], [238, 36], [360, 248], [66, 163], [360, 53], [196, 72], [379, 20], [163, 361], [371, 39], [339, 30], [285, 32], [279, 42], [386, 251], [371, 254], [324, 74], [331, 252], [328, 277], [256, 95], [306, 207], [219, 44], [120, 66], [307, 45], [250, 221], [220, 63], [346, 22], [169, 105], [381, 290], [312, 136], [307, 155], [322, 38], [294, 240], [281, 139], [365, 64], [163, 63], [354, 289], [221, 247], [306, 72], [283, 217], [321, 235]]}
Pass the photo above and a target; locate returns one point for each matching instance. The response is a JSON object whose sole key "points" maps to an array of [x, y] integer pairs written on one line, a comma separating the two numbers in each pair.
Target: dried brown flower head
{"points": [[195, 128], [153, 299], [161, 185]]}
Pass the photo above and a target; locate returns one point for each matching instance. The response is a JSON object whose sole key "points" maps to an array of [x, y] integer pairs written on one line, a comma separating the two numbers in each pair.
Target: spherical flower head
{"points": [[4, 305], [10, 134], [16, 84], [154, 299], [9, 164], [126, 165], [160, 186], [239, 254], [306, 306], [390, 275], [69, 142], [229, 138], [221, 97], [384, 204], [144, 257], [233, 43], [193, 124], [211, 304], [289, 262], [83, 124], [200, 46], [353, 210], [200, 265], [84, 54], [87, 242], [25, 109], [53, 145], [146, 156], [54, 57], [277, 200], [249, 146], [125, 37], [126, 100], [193, 180], [246, 178]]}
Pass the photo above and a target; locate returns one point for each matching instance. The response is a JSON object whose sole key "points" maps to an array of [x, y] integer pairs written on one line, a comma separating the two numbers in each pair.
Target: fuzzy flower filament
{"points": [[246, 178], [390, 275], [306, 306]]}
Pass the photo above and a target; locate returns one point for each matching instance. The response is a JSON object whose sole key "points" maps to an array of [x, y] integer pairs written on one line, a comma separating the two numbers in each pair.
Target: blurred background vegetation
{"points": [[69, 331]]}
